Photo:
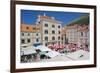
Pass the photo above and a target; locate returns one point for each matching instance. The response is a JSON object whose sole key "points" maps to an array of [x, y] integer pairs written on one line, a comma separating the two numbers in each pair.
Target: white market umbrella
{"points": [[79, 55], [25, 45], [28, 50], [43, 48], [52, 54], [61, 58]]}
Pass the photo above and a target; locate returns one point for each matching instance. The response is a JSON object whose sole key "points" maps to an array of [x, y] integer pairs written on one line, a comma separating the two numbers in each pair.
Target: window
{"points": [[81, 33], [46, 31], [58, 26], [62, 42], [66, 40], [86, 34], [53, 38], [36, 34], [53, 26], [38, 22], [28, 40], [27, 27], [58, 42], [53, 32], [58, 37], [46, 38], [22, 41], [28, 34], [34, 28], [45, 44], [58, 32], [46, 25], [62, 38], [37, 40], [22, 34]]}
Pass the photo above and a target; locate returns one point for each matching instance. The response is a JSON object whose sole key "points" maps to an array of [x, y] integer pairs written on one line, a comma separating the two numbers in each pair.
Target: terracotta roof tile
{"points": [[29, 28]]}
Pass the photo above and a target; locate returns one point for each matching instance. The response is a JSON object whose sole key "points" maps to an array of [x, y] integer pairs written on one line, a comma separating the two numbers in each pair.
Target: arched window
{"points": [[28, 40], [46, 31], [58, 37], [46, 25], [53, 26], [46, 38], [53, 38], [58, 26], [53, 32]]}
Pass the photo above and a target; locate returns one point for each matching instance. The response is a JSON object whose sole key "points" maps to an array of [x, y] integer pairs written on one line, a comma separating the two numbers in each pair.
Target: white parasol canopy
{"points": [[79, 55], [43, 48], [28, 50], [52, 54]]}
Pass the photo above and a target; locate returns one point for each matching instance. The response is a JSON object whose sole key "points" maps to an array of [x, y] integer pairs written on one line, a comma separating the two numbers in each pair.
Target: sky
{"points": [[30, 16]]}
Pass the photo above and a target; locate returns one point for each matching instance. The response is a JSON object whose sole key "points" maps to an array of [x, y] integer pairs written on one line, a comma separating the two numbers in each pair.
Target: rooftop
{"points": [[29, 28], [63, 31], [48, 18], [84, 28]]}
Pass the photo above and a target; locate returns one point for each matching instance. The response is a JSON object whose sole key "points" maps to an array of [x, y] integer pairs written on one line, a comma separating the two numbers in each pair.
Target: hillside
{"points": [[80, 21]]}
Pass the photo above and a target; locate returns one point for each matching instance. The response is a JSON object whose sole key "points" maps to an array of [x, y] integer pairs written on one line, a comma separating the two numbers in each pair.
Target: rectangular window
{"points": [[46, 44], [53, 38], [62, 38], [22, 34], [58, 37], [46, 25], [53, 26], [53, 32], [81, 33], [46, 31], [62, 42], [28, 40], [46, 38], [58, 42], [28, 34], [37, 40], [22, 41], [58, 32], [36, 34]]}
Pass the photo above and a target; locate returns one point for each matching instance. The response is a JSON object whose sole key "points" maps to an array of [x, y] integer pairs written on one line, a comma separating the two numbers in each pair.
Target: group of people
{"points": [[29, 58], [33, 57], [71, 47]]}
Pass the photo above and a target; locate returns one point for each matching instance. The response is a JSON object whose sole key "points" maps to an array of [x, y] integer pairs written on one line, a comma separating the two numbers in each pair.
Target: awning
{"points": [[43, 53], [59, 58], [28, 50], [79, 55], [25, 45], [37, 44], [52, 54], [43, 48]]}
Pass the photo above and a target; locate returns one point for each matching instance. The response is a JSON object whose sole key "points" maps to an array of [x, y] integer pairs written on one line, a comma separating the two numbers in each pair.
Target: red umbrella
{"points": [[51, 46]]}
